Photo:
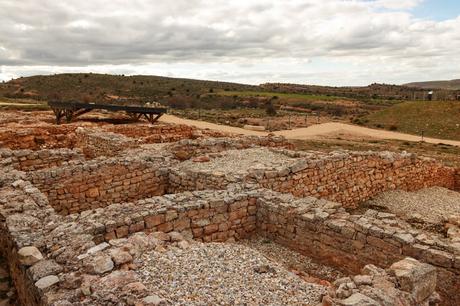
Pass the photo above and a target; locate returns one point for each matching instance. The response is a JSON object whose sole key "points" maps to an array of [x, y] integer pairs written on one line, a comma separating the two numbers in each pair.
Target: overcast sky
{"points": [[328, 42]]}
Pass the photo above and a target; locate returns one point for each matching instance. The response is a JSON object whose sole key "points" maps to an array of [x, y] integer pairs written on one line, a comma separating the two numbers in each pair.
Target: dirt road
{"points": [[312, 132], [208, 125]]}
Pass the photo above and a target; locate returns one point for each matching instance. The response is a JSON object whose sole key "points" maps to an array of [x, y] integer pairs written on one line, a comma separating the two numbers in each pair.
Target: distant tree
{"points": [[270, 108]]}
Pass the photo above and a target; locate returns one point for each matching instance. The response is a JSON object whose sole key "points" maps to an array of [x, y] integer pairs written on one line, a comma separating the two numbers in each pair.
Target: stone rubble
{"points": [[227, 274], [406, 282]]}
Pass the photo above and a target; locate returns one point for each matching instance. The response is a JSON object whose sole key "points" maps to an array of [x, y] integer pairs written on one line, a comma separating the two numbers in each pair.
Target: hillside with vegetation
{"points": [[279, 106], [180, 94], [105, 88], [368, 94], [189, 92], [435, 119], [450, 85]]}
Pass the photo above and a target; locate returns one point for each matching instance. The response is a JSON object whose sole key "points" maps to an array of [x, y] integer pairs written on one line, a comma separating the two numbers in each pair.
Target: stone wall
{"points": [[39, 137], [95, 143], [72, 245], [157, 133], [52, 257], [22, 212], [345, 177], [180, 181], [101, 182], [353, 177], [325, 231], [189, 148], [312, 226], [29, 160], [206, 216]]}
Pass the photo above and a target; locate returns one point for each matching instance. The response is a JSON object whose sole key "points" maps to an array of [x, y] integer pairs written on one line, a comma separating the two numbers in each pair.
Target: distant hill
{"points": [[373, 91], [93, 87], [450, 85], [190, 93]]}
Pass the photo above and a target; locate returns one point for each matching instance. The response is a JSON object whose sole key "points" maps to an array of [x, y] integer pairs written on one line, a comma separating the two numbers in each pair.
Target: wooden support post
{"points": [[68, 115], [135, 116], [59, 113], [152, 118]]}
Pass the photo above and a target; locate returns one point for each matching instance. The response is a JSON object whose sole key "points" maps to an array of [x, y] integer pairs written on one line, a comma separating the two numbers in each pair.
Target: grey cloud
{"points": [[100, 32]]}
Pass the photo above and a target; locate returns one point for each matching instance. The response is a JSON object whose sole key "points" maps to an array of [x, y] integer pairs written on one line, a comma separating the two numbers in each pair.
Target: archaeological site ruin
{"points": [[95, 213]]}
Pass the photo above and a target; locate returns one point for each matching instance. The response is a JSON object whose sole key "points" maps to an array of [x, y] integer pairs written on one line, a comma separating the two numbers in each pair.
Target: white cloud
{"points": [[254, 39], [397, 4]]}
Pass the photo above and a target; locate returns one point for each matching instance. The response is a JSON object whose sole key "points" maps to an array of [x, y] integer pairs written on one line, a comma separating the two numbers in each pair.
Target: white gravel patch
{"points": [[233, 161], [223, 274], [432, 205]]}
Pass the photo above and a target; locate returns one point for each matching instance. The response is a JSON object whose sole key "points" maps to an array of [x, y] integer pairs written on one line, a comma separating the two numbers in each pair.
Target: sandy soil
{"points": [[312, 132]]}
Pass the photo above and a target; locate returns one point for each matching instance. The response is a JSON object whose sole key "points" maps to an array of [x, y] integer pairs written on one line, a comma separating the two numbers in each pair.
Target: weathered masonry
{"points": [[75, 216]]}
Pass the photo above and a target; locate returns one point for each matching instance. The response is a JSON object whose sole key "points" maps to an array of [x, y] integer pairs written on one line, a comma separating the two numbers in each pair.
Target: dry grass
{"points": [[435, 119]]}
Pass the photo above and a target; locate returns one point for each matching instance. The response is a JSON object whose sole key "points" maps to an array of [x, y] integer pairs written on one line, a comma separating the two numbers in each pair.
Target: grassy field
{"points": [[22, 104], [435, 119], [282, 95]]}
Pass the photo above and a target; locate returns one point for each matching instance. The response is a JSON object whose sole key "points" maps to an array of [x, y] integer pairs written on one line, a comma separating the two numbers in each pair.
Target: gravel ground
{"points": [[235, 160], [292, 260], [432, 205], [224, 274]]}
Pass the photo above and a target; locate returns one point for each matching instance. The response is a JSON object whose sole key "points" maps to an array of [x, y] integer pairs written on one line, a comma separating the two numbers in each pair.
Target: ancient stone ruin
{"points": [[171, 215]]}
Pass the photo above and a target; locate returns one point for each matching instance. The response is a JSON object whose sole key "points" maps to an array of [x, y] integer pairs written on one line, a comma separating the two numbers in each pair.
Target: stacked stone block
{"points": [[206, 216], [38, 137], [28, 160], [352, 178], [99, 183], [95, 143], [325, 231], [215, 145], [157, 133]]}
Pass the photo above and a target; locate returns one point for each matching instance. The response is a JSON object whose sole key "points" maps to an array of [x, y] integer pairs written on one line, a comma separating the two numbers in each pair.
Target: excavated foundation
{"points": [[108, 218]]}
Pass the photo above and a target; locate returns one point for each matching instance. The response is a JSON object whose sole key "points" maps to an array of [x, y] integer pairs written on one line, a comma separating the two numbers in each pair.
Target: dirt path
{"points": [[208, 125], [312, 132]]}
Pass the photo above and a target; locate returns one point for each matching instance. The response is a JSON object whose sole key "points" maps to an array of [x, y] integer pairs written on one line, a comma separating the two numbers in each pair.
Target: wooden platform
{"points": [[71, 110]]}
